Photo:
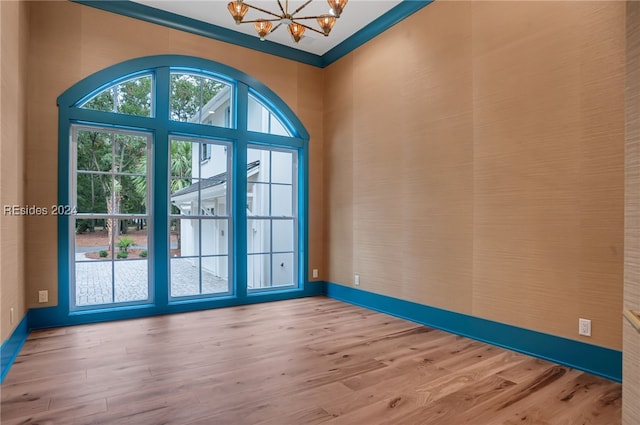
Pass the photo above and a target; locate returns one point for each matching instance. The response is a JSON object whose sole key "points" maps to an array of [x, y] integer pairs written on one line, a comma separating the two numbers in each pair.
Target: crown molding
{"points": [[171, 20]]}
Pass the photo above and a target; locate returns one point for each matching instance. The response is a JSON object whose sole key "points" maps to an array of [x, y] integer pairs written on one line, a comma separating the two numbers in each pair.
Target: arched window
{"points": [[184, 187]]}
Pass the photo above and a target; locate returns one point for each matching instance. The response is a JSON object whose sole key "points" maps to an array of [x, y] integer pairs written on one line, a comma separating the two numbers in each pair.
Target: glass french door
{"points": [[111, 217], [272, 218], [200, 228]]}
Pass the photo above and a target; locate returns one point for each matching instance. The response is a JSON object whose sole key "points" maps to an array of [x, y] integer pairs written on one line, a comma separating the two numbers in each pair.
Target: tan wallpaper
{"points": [[631, 340], [13, 54], [70, 42], [470, 158], [475, 162]]}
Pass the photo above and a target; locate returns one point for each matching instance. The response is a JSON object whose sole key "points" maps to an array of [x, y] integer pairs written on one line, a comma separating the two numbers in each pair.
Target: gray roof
{"points": [[210, 181]]}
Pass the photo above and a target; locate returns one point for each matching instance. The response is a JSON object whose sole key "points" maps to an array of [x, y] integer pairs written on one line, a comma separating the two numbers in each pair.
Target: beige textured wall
{"points": [[475, 162], [631, 340], [70, 42], [13, 55]]}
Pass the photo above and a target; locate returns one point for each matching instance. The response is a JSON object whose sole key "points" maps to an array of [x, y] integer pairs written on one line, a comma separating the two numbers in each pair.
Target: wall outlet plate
{"points": [[356, 280], [315, 273], [43, 296], [584, 327]]}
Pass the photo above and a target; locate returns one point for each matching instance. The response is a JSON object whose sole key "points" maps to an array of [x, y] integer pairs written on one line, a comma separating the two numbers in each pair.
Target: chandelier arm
{"points": [[310, 17], [301, 7], [261, 10], [261, 20], [309, 28], [281, 8]]}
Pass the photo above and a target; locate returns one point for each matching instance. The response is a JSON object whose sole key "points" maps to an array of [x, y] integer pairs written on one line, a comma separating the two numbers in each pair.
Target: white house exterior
{"points": [[271, 202]]}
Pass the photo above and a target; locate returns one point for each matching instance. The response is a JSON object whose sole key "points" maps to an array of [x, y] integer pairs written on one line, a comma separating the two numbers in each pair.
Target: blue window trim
{"points": [[162, 128], [139, 11]]}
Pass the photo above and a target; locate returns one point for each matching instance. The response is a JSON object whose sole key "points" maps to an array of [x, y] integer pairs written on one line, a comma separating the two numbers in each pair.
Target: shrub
{"points": [[82, 226], [103, 254], [122, 254], [143, 253], [124, 243]]}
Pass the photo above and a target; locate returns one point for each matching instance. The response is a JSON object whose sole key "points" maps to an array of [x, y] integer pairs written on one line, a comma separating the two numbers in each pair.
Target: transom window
{"points": [[132, 97], [188, 183]]}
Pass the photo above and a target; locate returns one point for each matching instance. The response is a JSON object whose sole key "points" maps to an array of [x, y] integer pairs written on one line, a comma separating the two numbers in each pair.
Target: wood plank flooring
{"points": [[306, 361]]}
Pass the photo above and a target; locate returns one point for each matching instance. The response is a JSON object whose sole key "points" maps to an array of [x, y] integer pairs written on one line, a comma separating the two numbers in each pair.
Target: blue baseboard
{"points": [[593, 359], [590, 358], [48, 317], [58, 316], [11, 347]]}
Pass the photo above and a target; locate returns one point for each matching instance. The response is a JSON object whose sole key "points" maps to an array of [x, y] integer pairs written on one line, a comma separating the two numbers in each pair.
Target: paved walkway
{"points": [[94, 283]]}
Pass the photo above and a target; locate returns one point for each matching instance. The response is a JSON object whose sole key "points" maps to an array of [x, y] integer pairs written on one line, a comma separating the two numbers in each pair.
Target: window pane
{"points": [[91, 196], [213, 185], [200, 99], [258, 271], [264, 120], [282, 235], [259, 161], [131, 154], [130, 238], [216, 163], [91, 240], [132, 97], [258, 236], [282, 170], [93, 283], [174, 237], [281, 200], [94, 151], [185, 237], [283, 269], [258, 199], [132, 195], [185, 277], [215, 274], [90, 226], [185, 197], [181, 161], [130, 280], [215, 237]]}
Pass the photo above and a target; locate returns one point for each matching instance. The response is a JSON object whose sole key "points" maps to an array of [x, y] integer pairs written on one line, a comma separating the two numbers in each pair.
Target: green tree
{"points": [[105, 158], [132, 97], [189, 94]]}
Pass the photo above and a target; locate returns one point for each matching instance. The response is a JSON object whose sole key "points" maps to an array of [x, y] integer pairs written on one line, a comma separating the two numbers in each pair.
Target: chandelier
{"points": [[295, 25]]}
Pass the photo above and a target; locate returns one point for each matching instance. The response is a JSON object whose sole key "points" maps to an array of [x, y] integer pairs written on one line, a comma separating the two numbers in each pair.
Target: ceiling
{"points": [[356, 15], [361, 21]]}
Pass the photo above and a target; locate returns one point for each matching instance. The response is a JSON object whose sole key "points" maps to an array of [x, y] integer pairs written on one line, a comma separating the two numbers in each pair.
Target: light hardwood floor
{"points": [[306, 361]]}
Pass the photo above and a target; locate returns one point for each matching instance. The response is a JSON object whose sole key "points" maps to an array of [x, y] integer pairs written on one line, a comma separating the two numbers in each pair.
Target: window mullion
{"points": [[159, 185], [239, 212]]}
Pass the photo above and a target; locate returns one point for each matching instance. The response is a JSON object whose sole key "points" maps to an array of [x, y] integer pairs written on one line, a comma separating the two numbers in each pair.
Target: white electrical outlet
{"points": [[43, 296], [315, 273], [356, 280], [584, 327], [11, 316]]}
